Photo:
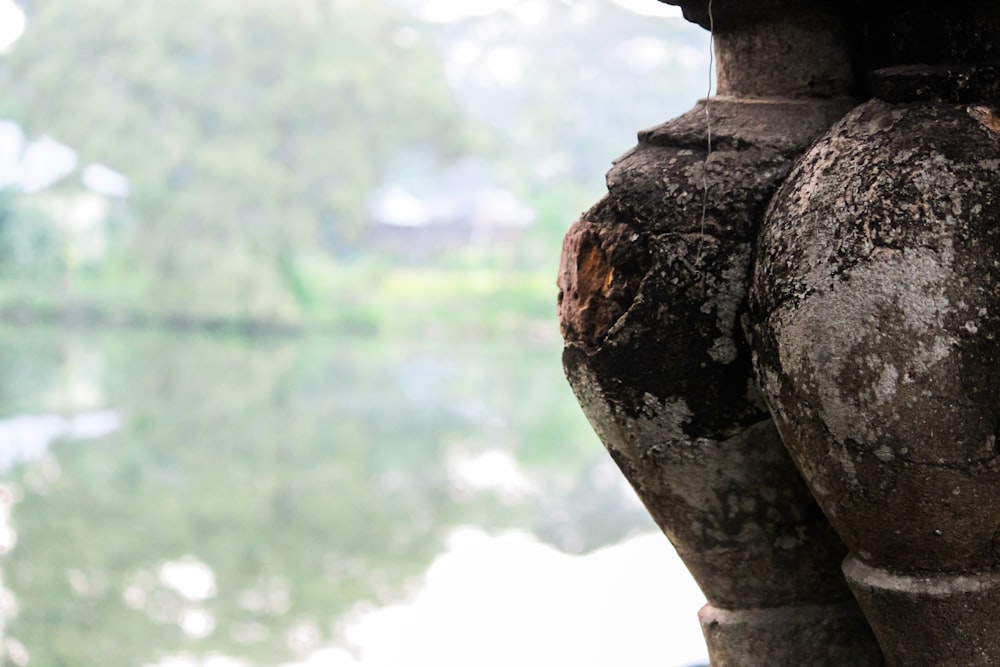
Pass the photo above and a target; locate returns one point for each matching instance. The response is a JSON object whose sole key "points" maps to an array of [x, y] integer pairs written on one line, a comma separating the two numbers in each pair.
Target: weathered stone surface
{"points": [[777, 48], [651, 297], [650, 288], [804, 52], [876, 301], [928, 619], [735, 508], [788, 637], [875, 320], [876, 295]]}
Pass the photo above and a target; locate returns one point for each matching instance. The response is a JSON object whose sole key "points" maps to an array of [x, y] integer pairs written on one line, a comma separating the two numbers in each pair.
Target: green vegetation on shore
{"points": [[255, 136]]}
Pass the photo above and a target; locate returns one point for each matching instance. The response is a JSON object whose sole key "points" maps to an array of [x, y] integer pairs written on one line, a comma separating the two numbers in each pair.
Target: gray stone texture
{"points": [[787, 636], [652, 294], [877, 344], [650, 304], [939, 620], [873, 325], [874, 289], [805, 55]]}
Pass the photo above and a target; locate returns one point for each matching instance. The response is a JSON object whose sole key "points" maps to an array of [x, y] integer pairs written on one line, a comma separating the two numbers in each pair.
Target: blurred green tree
{"points": [[248, 129]]}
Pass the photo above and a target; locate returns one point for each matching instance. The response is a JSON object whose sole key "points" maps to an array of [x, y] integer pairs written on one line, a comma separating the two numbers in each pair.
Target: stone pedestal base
{"points": [[817, 636], [939, 620]]}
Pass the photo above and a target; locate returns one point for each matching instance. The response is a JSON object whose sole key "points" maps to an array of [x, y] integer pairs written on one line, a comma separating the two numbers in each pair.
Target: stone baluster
{"points": [[653, 287], [876, 302]]}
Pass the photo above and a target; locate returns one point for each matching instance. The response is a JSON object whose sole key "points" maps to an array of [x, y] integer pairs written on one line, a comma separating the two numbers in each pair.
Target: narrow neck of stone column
{"points": [[790, 49], [797, 55]]}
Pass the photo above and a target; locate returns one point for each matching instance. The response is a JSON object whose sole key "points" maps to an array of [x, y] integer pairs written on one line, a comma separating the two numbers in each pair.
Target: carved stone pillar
{"points": [[653, 286], [877, 306]]}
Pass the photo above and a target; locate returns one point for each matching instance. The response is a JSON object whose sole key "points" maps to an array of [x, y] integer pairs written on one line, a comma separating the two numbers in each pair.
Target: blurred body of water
{"points": [[217, 501]]}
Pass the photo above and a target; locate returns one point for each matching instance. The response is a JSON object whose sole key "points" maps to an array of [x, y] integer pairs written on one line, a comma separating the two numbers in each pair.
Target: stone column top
{"points": [[727, 14]]}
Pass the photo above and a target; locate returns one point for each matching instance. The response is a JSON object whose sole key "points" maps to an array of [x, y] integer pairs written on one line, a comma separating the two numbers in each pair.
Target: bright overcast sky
{"points": [[649, 7], [447, 11], [11, 23]]}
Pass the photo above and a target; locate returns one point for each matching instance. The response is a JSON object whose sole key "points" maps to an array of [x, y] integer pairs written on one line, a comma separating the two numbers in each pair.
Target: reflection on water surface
{"points": [[318, 502]]}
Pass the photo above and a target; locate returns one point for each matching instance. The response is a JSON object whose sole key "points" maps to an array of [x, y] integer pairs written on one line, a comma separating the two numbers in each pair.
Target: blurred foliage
{"points": [[316, 471], [255, 133], [584, 77], [248, 129], [30, 245]]}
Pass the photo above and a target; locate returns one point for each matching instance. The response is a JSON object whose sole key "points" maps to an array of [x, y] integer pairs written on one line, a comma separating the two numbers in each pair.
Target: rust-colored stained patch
{"points": [[587, 303], [987, 117]]}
